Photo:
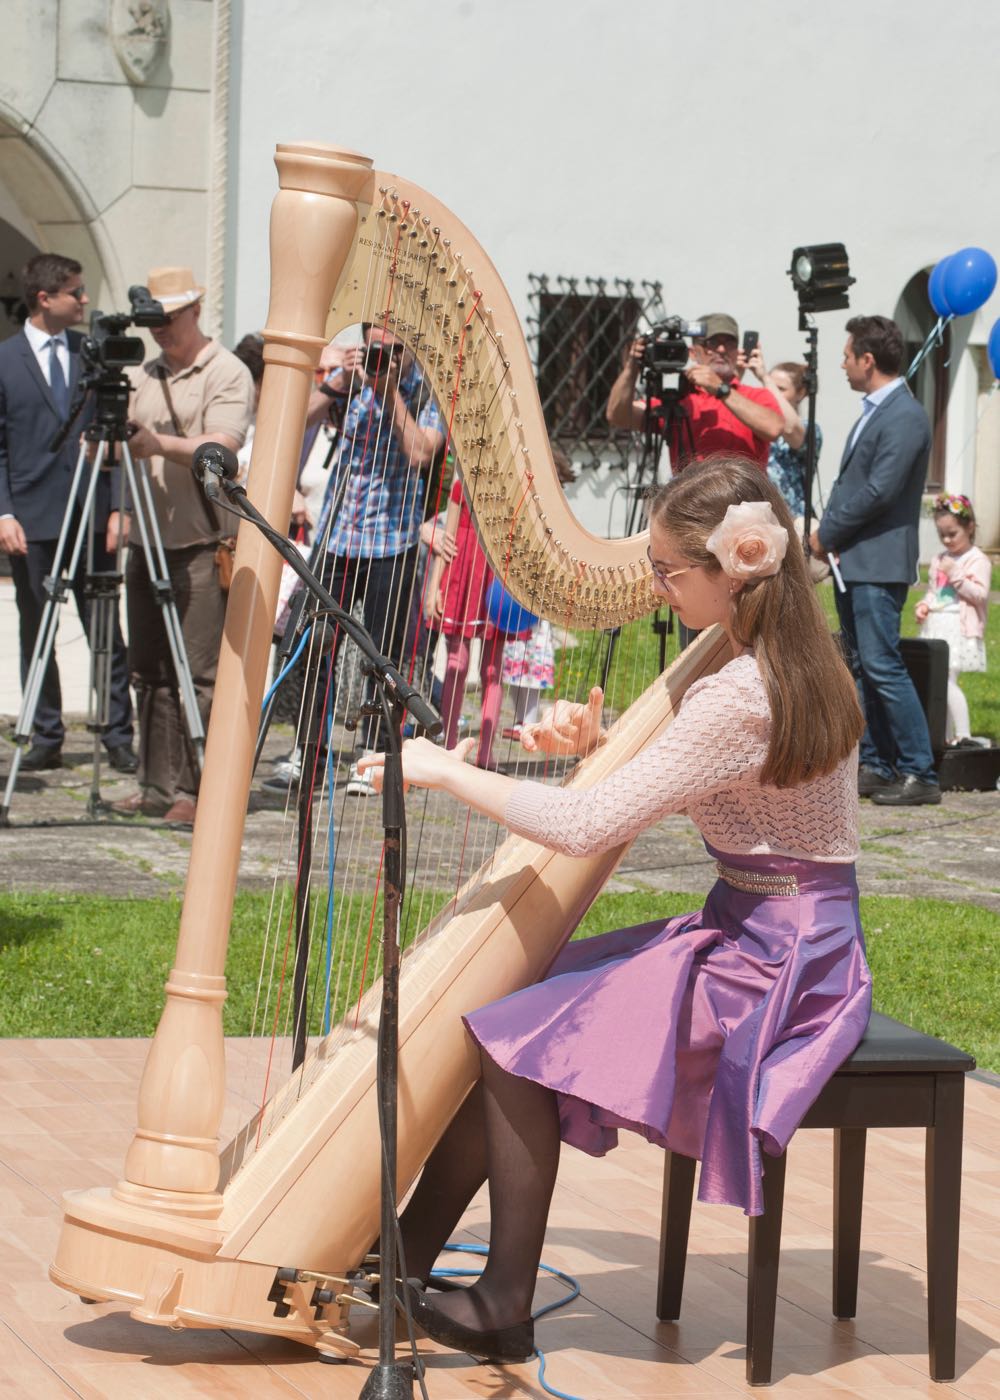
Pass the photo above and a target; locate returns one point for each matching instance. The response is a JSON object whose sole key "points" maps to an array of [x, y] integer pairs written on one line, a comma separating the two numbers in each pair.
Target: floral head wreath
{"points": [[960, 506], [749, 542]]}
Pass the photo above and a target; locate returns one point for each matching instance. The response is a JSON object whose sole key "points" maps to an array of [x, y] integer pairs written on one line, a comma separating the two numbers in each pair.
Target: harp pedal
{"points": [[289, 1290]]}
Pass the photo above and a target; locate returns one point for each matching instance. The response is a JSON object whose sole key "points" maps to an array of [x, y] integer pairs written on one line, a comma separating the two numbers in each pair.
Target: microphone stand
{"points": [[389, 1379]]}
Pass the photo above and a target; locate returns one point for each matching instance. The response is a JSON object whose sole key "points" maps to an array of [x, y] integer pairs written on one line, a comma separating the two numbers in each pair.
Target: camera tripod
{"points": [[667, 422], [102, 588]]}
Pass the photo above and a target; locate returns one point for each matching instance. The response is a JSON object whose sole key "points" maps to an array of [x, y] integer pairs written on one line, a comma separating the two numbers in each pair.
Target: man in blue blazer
{"points": [[39, 370], [870, 523]]}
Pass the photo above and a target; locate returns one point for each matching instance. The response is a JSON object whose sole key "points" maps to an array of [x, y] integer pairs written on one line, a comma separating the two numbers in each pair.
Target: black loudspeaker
{"points": [[969, 770], [959, 770], [927, 662]]}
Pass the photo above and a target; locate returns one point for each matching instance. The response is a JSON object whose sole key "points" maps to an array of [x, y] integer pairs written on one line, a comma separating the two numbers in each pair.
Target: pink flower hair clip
{"points": [[748, 542]]}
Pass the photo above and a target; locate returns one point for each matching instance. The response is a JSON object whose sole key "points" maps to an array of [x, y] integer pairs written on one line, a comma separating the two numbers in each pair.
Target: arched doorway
{"points": [[41, 213], [932, 383]]}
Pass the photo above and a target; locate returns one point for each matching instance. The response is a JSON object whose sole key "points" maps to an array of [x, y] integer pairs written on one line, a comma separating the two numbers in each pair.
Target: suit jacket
{"points": [[872, 515], [35, 481]]}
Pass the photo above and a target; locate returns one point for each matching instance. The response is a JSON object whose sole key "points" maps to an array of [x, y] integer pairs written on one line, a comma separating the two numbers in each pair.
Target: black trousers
{"points": [[168, 765], [385, 588], [29, 573]]}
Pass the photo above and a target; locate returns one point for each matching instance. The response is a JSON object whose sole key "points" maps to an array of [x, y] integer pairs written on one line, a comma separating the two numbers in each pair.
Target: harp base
{"points": [[108, 1253]]}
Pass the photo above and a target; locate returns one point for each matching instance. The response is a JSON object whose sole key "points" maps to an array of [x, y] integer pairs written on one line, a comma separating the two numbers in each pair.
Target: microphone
{"points": [[214, 463]]}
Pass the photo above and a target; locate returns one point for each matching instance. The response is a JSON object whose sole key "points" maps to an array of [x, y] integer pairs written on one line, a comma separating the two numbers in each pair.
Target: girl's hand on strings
{"points": [[568, 728], [425, 764]]}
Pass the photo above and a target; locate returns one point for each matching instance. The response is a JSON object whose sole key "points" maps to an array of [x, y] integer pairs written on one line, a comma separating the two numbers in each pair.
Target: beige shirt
{"points": [[214, 395]]}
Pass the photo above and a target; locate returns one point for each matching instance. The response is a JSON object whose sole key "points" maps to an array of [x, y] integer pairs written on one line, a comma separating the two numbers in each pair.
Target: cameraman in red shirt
{"points": [[717, 413]]}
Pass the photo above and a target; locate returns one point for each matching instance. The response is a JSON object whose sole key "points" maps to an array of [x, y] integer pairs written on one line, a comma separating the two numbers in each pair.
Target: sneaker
{"points": [[284, 774], [360, 784]]}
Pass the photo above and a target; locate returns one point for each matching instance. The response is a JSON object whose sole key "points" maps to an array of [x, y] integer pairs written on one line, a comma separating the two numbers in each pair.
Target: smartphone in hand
{"points": [[750, 340]]}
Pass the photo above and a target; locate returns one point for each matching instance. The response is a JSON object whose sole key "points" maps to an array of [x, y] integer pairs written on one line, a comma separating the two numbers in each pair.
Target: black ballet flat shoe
{"points": [[440, 1285], [505, 1346]]}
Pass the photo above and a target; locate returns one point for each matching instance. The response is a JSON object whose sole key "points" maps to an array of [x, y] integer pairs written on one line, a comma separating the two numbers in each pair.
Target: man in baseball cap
{"points": [[719, 413]]}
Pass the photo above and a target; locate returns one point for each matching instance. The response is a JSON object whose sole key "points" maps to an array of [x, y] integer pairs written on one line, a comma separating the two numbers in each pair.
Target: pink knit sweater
{"points": [[708, 765]]}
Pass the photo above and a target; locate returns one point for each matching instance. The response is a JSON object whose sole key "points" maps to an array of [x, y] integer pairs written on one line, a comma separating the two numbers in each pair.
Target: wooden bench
{"points": [[897, 1078]]}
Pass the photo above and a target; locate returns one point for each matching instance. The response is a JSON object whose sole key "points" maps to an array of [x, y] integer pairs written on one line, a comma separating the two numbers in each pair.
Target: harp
{"points": [[194, 1236]]}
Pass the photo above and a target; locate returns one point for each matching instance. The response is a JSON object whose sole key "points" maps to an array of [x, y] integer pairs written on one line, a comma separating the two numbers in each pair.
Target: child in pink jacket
{"points": [[954, 606]]}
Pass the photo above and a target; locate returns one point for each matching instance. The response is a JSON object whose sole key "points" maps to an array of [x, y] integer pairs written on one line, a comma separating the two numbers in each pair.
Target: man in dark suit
{"points": [[871, 523], [39, 370]]}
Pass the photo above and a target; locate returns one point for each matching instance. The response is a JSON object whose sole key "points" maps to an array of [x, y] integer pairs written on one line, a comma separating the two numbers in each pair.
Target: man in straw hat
{"points": [[194, 391]]}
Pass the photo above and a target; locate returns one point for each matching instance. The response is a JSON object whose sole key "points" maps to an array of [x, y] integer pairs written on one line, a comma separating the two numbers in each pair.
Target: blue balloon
{"points": [[993, 349], [505, 613], [969, 280], [935, 289]]}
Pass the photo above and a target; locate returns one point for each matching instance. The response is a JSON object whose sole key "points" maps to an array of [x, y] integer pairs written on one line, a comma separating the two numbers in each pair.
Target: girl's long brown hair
{"points": [[815, 716]]}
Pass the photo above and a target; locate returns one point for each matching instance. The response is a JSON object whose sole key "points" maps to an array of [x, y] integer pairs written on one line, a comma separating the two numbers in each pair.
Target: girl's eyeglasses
{"points": [[665, 575]]}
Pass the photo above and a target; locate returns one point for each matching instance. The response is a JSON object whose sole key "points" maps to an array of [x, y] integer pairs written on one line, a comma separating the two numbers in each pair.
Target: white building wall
{"points": [[113, 172], [691, 144]]}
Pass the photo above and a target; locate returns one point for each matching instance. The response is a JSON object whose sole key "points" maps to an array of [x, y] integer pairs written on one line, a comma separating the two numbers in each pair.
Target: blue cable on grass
{"points": [[568, 1279]]}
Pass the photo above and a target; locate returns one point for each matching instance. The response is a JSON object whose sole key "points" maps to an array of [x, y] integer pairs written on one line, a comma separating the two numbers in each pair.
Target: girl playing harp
{"points": [[712, 1033]]}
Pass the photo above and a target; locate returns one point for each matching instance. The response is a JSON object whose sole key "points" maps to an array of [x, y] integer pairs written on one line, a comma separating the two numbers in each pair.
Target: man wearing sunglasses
{"points": [[39, 372]]}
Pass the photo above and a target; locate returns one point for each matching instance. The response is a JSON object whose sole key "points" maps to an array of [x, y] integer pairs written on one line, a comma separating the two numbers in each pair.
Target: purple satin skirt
{"points": [[711, 1034]]}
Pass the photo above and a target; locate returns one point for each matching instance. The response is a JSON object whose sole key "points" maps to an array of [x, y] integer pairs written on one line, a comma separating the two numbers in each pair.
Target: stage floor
{"points": [[68, 1110]]}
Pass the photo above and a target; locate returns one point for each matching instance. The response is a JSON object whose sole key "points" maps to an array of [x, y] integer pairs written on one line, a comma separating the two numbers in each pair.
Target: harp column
{"points": [[173, 1162]]}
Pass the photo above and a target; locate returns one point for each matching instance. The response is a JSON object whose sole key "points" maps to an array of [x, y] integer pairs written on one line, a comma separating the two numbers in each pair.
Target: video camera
{"points": [[107, 347], [104, 354], [664, 350]]}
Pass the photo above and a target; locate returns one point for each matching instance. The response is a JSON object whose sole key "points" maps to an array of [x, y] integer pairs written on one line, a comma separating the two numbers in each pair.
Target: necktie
{"points": [[57, 380]]}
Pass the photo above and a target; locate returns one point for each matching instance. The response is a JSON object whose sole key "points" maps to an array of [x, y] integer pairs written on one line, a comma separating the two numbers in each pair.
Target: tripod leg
{"points": [[56, 586], [102, 592]]}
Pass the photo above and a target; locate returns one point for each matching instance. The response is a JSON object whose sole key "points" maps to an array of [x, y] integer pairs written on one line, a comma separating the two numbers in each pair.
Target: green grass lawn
{"points": [[86, 966]]}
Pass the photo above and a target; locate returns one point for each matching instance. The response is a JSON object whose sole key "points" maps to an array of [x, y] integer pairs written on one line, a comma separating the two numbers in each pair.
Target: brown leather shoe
{"points": [[139, 805], [182, 812]]}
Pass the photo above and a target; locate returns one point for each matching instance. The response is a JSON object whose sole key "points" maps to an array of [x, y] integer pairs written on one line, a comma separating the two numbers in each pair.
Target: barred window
{"points": [[578, 329]]}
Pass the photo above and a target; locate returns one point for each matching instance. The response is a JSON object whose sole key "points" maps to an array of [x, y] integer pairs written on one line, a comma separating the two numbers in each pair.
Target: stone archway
{"points": [[40, 211]]}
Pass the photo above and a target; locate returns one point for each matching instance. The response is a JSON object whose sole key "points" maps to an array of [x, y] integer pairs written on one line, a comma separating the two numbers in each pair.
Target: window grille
{"points": [[577, 331]]}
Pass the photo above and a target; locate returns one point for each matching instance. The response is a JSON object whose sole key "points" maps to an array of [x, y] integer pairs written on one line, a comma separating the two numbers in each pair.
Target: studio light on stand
{"points": [[821, 276]]}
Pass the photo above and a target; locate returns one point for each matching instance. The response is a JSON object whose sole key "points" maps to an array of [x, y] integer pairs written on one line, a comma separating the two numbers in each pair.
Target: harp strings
{"points": [[378, 310], [480, 412]]}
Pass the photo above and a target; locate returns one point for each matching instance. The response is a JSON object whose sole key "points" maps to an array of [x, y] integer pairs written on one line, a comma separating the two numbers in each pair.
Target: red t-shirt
{"points": [[707, 425]]}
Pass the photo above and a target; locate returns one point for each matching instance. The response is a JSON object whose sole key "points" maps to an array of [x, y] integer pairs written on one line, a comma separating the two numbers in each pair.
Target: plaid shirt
{"points": [[384, 501]]}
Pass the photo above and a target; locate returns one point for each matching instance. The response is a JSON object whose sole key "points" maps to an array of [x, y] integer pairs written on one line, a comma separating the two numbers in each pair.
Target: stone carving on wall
{"points": [[139, 30]]}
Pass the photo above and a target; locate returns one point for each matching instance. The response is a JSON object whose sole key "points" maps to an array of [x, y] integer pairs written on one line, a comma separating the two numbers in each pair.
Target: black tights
{"points": [[506, 1132]]}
